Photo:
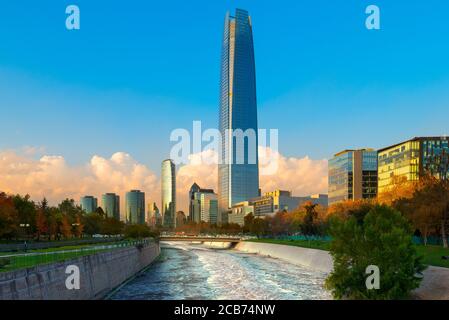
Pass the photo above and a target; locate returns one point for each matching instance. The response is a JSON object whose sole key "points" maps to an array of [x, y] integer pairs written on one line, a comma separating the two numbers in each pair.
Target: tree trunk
{"points": [[443, 233], [425, 236]]}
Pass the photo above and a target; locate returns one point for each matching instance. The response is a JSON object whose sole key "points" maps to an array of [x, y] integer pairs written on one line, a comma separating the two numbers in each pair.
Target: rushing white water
{"points": [[187, 271]]}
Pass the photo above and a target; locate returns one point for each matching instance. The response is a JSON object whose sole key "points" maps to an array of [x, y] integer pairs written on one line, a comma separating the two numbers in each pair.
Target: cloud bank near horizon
{"points": [[52, 177]]}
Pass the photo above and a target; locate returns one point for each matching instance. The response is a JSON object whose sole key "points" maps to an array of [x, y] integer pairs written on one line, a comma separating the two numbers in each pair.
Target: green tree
{"points": [[112, 226], [310, 225], [26, 210], [259, 227], [383, 239], [93, 223], [248, 222], [9, 218], [137, 231]]}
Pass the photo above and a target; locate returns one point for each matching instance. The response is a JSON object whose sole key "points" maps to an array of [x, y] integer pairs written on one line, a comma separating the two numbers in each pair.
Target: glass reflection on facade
{"points": [[238, 110], [110, 202], [89, 204], [168, 178], [412, 159], [135, 207], [353, 175]]}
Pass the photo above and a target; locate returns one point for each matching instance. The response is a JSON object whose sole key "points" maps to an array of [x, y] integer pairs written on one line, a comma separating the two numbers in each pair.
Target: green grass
{"points": [[431, 254], [50, 255], [19, 262], [312, 244]]}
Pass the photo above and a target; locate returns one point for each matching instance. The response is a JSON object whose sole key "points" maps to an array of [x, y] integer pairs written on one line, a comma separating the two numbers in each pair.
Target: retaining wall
{"points": [[312, 258], [99, 274]]}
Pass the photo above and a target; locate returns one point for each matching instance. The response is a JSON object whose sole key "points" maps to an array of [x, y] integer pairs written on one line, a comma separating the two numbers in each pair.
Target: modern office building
{"points": [[203, 206], [412, 159], [353, 175], [110, 202], [135, 207], [168, 181], [89, 204], [238, 173]]}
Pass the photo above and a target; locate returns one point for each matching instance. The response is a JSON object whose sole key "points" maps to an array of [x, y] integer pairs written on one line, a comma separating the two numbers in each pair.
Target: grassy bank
{"points": [[431, 254], [312, 244], [12, 261], [31, 260]]}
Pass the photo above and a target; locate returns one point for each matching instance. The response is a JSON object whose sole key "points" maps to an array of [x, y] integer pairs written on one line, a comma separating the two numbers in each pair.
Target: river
{"points": [[189, 271]]}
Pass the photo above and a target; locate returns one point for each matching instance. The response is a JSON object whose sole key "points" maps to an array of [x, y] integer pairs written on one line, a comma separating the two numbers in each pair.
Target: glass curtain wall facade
{"points": [[353, 175], [168, 180], [135, 207], [238, 110], [412, 159], [110, 202], [89, 204]]}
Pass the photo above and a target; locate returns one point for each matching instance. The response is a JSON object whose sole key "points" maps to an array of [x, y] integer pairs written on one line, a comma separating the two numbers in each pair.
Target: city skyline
{"points": [[104, 155]]}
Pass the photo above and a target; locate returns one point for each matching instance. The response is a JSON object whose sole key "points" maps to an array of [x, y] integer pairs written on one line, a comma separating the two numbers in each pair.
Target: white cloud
{"points": [[52, 177]]}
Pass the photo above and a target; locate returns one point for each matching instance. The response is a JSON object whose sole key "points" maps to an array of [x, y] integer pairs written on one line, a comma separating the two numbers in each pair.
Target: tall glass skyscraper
{"points": [[168, 178], [89, 204], [237, 181], [135, 207], [110, 202]]}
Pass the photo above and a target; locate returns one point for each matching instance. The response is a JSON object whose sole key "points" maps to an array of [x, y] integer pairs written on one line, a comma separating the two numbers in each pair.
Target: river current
{"points": [[189, 271]]}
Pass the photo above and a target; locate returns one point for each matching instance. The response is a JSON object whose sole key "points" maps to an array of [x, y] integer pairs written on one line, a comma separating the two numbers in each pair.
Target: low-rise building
{"points": [[239, 211]]}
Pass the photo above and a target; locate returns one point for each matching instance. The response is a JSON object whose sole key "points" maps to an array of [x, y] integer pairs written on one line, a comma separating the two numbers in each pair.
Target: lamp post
{"points": [[25, 226]]}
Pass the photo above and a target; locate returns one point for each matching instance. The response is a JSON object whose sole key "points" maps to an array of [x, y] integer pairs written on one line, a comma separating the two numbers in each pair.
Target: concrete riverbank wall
{"points": [[434, 286], [312, 258], [99, 274]]}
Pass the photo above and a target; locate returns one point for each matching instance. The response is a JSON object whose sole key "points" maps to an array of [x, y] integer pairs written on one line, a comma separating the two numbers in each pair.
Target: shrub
{"points": [[383, 239], [4, 262]]}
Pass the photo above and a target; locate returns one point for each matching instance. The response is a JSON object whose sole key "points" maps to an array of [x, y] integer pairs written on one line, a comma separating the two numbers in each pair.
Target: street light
{"points": [[24, 226]]}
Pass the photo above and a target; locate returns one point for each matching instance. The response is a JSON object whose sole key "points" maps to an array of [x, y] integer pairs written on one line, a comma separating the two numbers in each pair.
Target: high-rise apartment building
{"points": [[168, 181], [412, 159], [110, 202], [238, 173], [203, 206], [89, 204], [353, 175], [135, 207]]}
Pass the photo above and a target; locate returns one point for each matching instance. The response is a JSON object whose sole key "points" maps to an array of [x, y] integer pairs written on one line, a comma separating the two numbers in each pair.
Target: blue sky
{"points": [[139, 69]]}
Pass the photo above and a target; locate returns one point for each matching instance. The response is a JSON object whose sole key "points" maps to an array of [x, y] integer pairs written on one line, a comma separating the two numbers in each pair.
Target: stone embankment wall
{"points": [[99, 274]]}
